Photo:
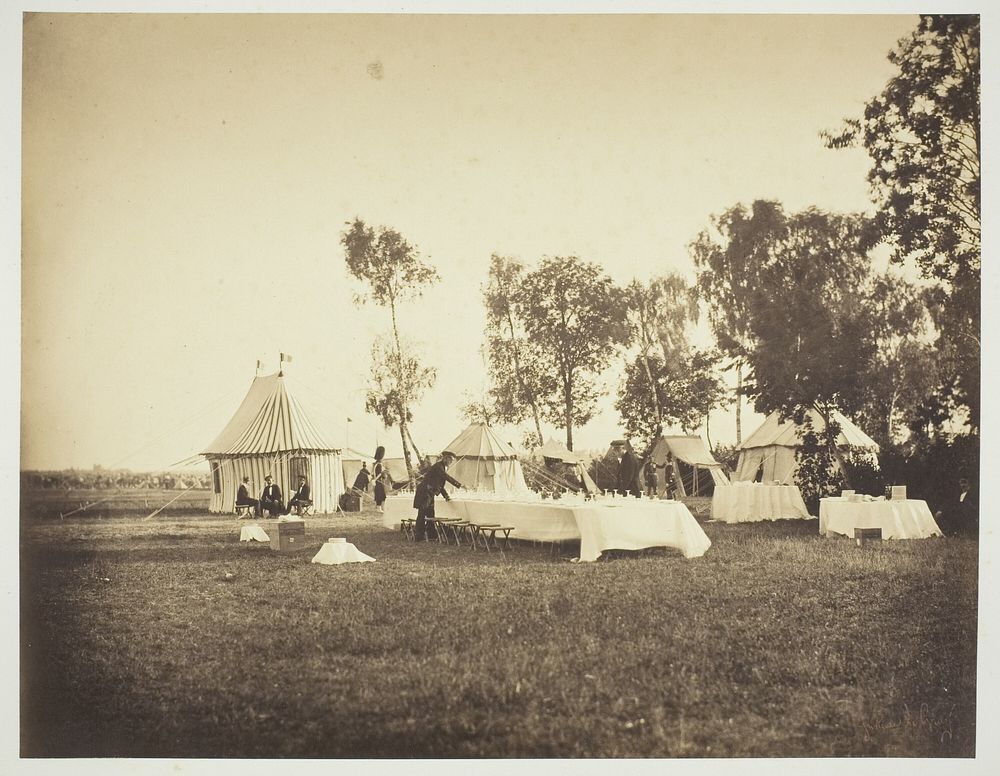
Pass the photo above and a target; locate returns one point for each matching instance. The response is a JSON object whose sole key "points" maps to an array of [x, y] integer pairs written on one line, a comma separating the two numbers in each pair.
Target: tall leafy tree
{"points": [[686, 388], [658, 313], [575, 316], [393, 272], [730, 257], [903, 370], [923, 134], [512, 359], [811, 330]]}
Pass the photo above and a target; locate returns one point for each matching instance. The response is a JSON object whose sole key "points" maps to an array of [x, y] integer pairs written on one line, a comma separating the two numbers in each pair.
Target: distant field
{"points": [[89, 502], [170, 638]]}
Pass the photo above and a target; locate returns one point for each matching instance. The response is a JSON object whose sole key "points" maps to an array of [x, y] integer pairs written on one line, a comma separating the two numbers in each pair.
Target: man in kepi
{"points": [[270, 499], [431, 485], [300, 498]]}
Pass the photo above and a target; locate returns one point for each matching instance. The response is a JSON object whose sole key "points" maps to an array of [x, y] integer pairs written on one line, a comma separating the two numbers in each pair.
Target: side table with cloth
{"points": [[748, 502], [910, 519], [614, 524]]}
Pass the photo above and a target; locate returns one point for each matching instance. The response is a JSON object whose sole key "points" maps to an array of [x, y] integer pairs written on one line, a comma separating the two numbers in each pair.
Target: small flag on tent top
{"points": [[285, 358]]}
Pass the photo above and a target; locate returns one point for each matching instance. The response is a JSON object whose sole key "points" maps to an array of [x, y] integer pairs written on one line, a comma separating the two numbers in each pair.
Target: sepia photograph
{"points": [[409, 385]]}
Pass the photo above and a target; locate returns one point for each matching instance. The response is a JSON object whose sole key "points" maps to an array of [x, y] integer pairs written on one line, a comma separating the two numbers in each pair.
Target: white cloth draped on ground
{"points": [[337, 551], [611, 524], [747, 502], [910, 519], [254, 533]]}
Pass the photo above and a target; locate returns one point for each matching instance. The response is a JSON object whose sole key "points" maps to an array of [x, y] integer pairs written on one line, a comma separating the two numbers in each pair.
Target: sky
{"points": [[185, 179]]}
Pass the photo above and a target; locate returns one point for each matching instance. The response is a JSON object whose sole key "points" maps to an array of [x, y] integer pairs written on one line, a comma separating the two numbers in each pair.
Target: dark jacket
{"points": [[432, 485], [302, 494], [271, 493], [628, 472], [243, 495]]}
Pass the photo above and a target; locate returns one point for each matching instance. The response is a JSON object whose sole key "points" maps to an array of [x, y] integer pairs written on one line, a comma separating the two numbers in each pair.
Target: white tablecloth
{"points": [[910, 519], [253, 533], [333, 553], [739, 503], [613, 524]]}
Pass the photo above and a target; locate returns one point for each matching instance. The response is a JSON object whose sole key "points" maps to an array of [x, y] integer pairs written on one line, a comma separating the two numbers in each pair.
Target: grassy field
{"points": [[170, 638]]}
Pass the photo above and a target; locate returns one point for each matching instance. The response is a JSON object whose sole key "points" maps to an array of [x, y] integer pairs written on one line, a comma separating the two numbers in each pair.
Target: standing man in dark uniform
{"points": [[270, 499], [628, 473], [431, 485]]}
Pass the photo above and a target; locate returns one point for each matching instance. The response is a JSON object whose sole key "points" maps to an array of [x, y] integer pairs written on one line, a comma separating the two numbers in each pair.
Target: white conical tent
{"points": [[694, 453], [770, 450], [559, 452], [272, 434], [485, 462]]}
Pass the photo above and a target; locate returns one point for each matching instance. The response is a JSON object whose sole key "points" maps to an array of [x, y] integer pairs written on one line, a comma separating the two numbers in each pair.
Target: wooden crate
{"points": [[288, 536]]}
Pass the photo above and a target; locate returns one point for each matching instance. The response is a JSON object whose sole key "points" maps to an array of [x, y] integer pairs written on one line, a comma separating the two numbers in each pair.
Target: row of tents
{"points": [[271, 433]]}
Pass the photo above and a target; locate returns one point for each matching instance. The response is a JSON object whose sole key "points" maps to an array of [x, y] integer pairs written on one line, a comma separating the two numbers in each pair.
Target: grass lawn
{"points": [[170, 638]]}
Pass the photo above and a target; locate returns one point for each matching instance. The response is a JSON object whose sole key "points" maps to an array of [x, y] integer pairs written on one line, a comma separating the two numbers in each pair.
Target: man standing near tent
{"points": [[628, 473], [301, 498], [270, 499], [431, 485], [381, 475], [243, 497]]}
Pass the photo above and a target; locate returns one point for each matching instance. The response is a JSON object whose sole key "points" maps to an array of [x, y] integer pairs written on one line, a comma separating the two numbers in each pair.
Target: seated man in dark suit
{"points": [[300, 498], [243, 497], [961, 517], [270, 499]]}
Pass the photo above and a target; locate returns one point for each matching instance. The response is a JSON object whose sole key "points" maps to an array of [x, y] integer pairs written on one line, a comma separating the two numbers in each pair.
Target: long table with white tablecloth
{"points": [[909, 519], [611, 524], [743, 502]]}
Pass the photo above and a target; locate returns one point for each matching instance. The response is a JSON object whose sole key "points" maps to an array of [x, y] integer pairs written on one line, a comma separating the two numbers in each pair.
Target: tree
{"points": [[575, 316], [512, 359], [923, 134], [393, 272], [657, 314], [903, 370], [730, 258], [810, 322], [687, 388]]}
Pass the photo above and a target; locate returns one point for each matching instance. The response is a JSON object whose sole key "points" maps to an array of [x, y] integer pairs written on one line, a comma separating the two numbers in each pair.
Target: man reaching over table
{"points": [[431, 485]]}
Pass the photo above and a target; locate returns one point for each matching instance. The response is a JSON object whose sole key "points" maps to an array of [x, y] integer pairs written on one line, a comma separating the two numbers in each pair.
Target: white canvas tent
{"points": [[352, 460], [271, 434], [696, 472], [768, 454], [485, 462], [559, 452]]}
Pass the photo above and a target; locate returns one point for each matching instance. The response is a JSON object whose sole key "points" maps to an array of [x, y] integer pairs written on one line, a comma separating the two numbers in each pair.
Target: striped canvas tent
{"points": [[272, 434], [485, 462]]}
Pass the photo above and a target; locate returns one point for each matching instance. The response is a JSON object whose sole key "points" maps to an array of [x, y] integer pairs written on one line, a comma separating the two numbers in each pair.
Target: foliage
{"points": [[686, 389], [393, 271], [923, 134], [512, 359], [904, 368], [575, 316], [396, 381], [383, 260], [657, 314], [808, 319], [730, 258], [817, 473]]}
